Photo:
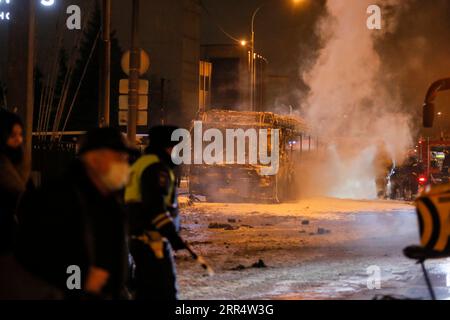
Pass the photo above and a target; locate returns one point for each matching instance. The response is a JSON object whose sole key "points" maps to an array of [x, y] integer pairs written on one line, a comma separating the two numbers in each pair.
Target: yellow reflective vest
{"points": [[133, 192]]}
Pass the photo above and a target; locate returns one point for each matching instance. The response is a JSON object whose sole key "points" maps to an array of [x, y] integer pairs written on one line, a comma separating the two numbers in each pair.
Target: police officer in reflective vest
{"points": [[151, 198]]}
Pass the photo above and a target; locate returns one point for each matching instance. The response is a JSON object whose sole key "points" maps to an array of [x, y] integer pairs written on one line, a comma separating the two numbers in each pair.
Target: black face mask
{"points": [[15, 155]]}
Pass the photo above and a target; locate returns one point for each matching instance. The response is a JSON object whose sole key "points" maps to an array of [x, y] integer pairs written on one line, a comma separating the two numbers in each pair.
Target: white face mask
{"points": [[117, 176]]}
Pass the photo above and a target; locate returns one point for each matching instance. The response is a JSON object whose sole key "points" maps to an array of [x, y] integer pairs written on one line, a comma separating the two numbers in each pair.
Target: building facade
{"points": [[170, 34], [231, 77]]}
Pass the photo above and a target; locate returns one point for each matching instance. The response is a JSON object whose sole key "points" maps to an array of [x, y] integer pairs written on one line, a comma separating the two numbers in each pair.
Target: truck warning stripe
{"points": [[436, 224]]}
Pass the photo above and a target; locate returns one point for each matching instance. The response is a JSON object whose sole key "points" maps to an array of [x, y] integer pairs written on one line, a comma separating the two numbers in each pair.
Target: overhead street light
{"points": [[47, 3], [252, 45]]}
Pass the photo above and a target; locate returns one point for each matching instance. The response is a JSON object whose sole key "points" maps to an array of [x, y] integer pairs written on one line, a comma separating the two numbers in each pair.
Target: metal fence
{"points": [[51, 159]]}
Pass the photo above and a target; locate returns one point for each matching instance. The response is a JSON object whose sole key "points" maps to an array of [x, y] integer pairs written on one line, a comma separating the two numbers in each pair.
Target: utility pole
{"points": [[105, 62], [253, 60], [135, 65], [21, 67], [163, 100], [252, 72]]}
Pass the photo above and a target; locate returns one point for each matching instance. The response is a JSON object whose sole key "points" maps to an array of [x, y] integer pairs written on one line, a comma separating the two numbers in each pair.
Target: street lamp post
{"points": [[105, 77], [253, 55], [253, 60], [21, 67], [135, 65]]}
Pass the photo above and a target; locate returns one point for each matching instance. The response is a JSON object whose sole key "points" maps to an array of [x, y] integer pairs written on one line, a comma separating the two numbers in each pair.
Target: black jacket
{"points": [[71, 223], [12, 186]]}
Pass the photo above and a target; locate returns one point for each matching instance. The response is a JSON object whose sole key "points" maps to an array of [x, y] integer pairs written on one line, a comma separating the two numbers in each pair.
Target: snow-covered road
{"points": [[317, 248]]}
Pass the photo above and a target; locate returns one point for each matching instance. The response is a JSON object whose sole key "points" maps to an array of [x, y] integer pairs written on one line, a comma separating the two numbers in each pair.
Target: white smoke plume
{"points": [[351, 108]]}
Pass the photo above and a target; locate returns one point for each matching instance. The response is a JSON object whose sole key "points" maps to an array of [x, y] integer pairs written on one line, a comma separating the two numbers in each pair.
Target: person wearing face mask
{"points": [[13, 177], [79, 221], [151, 199]]}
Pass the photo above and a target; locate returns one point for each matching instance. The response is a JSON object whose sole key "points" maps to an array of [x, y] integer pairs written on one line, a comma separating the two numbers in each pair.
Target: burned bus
{"points": [[227, 181]]}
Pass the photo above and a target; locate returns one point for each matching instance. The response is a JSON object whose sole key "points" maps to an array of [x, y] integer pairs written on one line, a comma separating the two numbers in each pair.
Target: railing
{"points": [[51, 160]]}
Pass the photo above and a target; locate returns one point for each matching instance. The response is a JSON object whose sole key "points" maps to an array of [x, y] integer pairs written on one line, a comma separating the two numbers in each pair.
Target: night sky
{"points": [[282, 29]]}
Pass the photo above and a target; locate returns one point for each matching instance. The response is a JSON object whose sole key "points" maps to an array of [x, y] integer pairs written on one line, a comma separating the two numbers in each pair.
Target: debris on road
{"points": [[215, 225], [231, 228], [238, 268], [224, 226], [322, 231], [196, 198], [257, 265]]}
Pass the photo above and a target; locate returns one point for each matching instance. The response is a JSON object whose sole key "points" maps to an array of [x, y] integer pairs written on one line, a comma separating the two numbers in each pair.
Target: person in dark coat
{"points": [[14, 184], [151, 198], [79, 222], [13, 177]]}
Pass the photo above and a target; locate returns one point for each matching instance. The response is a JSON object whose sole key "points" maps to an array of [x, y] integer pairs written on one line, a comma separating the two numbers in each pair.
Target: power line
{"points": [[80, 82], [216, 23]]}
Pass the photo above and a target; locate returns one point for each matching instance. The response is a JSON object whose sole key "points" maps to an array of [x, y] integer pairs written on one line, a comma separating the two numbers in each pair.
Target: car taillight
{"points": [[422, 180]]}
